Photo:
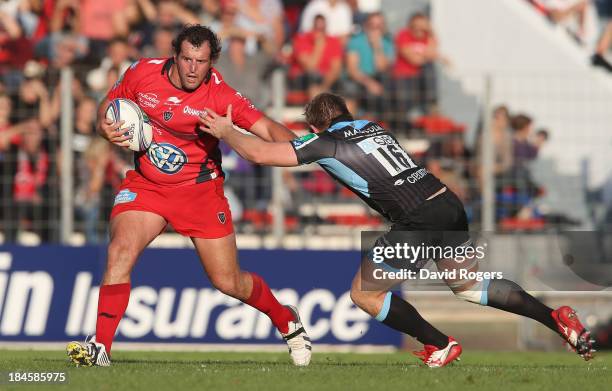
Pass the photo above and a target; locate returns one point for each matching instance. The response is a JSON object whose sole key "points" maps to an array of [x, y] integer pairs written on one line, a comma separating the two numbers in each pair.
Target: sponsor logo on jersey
{"points": [[172, 101], [168, 158], [148, 99], [191, 111], [371, 128], [125, 196], [216, 78], [251, 105], [301, 142], [221, 217], [157, 62], [399, 182], [167, 115]]}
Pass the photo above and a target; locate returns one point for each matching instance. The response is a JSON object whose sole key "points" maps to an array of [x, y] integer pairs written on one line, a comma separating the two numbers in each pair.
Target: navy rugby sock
{"points": [[402, 316], [508, 296]]}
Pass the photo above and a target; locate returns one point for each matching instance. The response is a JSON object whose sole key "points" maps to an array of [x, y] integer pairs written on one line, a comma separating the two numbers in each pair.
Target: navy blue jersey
{"points": [[369, 161]]}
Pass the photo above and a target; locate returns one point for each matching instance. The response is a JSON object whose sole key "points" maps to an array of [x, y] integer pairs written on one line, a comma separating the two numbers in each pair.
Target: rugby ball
{"points": [[137, 125]]}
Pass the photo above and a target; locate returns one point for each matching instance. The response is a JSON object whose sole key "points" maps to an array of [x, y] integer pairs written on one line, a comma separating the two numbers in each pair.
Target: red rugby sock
{"points": [[263, 299], [112, 302]]}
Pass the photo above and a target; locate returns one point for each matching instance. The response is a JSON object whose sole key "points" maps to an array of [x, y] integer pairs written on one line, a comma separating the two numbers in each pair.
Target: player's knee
{"points": [[226, 284], [472, 291], [360, 298]]}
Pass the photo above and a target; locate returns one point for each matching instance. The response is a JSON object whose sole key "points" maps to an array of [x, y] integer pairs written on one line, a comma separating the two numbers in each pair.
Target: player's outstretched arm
{"points": [[270, 130], [108, 129], [251, 148]]}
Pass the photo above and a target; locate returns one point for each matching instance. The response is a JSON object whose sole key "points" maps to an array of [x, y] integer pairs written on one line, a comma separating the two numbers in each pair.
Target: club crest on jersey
{"points": [[168, 158], [167, 115], [221, 217]]}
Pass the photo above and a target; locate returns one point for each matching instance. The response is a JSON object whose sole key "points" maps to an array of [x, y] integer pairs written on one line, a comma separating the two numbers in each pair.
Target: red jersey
{"points": [[180, 152], [402, 67], [305, 43]]}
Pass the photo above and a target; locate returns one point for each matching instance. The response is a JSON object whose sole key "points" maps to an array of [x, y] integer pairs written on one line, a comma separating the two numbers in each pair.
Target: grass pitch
{"points": [[273, 371]]}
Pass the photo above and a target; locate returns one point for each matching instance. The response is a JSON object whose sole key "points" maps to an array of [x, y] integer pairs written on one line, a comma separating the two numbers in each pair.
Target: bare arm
{"points": [[333, 74], [352, 64], [270, 130], [251, 148]]}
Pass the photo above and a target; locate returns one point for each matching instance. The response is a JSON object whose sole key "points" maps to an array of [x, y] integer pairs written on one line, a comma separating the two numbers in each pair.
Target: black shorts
{"points": [[437, 227]]}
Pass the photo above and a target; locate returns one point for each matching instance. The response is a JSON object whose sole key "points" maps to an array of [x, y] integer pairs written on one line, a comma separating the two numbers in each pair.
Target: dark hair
{"points": [[117, 39], [520, 122], [417, 15], [196, 35], [543, 133], [324, 108]]}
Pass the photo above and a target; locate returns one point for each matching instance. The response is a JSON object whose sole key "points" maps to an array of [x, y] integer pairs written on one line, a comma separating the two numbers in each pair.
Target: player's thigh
{"points": [[130, 232], [458, 282]]}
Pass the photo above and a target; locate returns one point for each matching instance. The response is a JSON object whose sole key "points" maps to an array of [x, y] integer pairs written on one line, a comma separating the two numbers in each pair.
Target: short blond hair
{"points": [[323, 108]]}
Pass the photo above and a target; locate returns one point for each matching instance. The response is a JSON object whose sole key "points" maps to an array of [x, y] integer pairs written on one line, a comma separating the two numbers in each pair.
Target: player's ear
{"points": [[314, 129]]}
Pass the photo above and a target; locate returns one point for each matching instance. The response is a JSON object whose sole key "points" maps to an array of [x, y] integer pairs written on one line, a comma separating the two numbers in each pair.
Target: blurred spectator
{"points": [[82, 140], [541, 137], [503, 154], [30, 180], [9, 140], [137, 23], [317, 60], [15, 47], [92, 167], [524, 152], [117, 58], [601, 58], [34, 17], [34, 100], [99, 22], [209, 11], [502, 140], [416, 51], [172, 14], [579, 16], [263, 19], [162, 44], [227, 28], [450, 160], [337, 12], [369, 59], [244, 72]]}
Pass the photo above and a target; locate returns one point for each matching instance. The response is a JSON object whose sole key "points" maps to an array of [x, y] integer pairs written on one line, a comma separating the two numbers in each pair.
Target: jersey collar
{"points": [[340, 122]]}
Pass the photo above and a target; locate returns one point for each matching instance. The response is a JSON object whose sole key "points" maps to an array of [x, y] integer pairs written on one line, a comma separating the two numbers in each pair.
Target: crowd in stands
{"points": [[588, 21], [338, 45]]}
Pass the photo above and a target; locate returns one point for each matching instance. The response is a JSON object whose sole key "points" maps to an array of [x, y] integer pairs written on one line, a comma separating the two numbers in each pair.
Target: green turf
{"points": [[272, 371]]}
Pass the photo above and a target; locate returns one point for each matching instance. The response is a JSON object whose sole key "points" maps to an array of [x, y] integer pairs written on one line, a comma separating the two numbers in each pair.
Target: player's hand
{"points": [[112, 132], [216, 125]]}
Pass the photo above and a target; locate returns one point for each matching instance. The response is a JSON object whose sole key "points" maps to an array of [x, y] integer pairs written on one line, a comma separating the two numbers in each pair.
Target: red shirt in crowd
{"points": [[180, 152], [31, 175], [405, 38], [305, 43]]}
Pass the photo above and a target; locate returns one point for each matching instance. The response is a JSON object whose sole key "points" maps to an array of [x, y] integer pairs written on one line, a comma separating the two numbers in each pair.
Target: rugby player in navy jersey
{"points": [[368, 160]]}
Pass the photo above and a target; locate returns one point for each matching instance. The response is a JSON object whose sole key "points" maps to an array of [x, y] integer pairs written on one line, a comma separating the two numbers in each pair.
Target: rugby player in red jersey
{"points": [[178, 180]]}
